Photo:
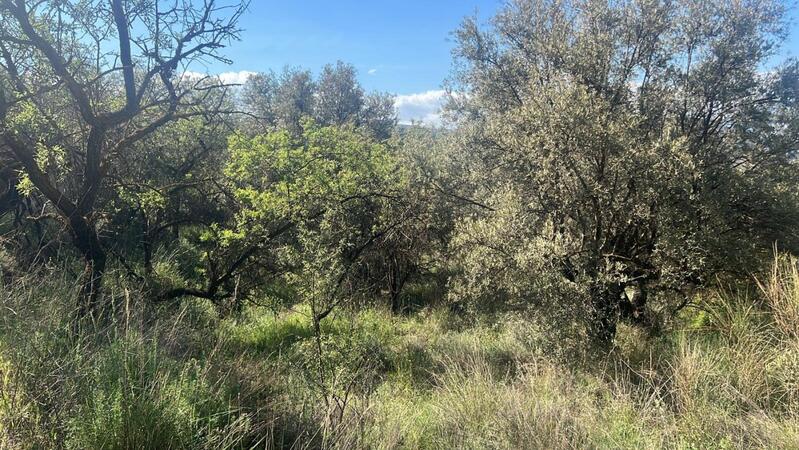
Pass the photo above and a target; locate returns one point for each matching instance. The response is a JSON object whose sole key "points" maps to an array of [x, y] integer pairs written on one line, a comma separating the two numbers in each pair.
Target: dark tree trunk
{"points": [[147, 248], [398, 276], [397, 284], [148, 257], [90, 301], [605, 300]]}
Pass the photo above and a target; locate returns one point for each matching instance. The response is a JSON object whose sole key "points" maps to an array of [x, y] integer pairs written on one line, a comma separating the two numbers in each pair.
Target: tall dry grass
{"points": [[725, 376], [133, 382]]}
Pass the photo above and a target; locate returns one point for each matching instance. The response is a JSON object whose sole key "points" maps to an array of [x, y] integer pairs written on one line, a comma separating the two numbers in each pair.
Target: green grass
{"points": [[724, 375]]}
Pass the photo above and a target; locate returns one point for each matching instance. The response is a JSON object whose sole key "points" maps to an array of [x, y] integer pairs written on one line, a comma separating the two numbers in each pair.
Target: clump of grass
{"points": [[123, 385], [268, 333], [138, 397], [732, 380], [543, 406], [781, 291]]}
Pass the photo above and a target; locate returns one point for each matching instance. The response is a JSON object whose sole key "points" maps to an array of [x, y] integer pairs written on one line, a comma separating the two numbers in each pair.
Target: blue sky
{"points": [[402, 47], [405, 44]]}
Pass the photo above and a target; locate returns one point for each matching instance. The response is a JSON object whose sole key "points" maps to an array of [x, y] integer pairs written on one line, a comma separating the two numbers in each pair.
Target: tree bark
{"points": [[605, 300], [398, 279], [87, 241]]}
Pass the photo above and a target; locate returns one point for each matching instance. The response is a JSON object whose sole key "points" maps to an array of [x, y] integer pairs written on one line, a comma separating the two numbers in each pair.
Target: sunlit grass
{"points": [[724, 377]]}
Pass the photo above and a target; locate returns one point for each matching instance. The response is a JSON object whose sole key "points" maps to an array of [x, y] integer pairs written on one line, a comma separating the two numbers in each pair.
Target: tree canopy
{"points": [[619, 155], [625, 146]]}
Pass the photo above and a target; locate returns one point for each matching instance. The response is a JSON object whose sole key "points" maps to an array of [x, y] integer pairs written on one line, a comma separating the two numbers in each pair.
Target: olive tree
{"points": [[622, 149], [335, 98]]}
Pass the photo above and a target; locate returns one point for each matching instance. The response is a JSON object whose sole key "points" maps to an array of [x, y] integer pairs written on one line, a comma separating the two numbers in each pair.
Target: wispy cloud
{"points": [[192, 75], [422, 107], [225, 77], [372, 71], [235, 77]]}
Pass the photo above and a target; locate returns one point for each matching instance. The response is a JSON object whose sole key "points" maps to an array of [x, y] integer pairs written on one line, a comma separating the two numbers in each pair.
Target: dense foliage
{"points": [[626, 146], [595, 250]]}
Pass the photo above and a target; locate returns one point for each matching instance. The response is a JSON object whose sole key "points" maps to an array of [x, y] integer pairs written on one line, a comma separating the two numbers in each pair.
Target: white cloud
{"points": [[235, 77], [422, 107], [225, 77], [192, 75], [372, 71]]}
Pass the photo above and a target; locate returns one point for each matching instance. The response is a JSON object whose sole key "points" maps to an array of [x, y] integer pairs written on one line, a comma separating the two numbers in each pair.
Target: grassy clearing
{"points": [[181, 377]]}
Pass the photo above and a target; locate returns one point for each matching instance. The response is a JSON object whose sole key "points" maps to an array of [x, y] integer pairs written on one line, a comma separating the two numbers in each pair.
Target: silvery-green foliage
{"points": [[281, 101], [641, 141], [510, 258]]}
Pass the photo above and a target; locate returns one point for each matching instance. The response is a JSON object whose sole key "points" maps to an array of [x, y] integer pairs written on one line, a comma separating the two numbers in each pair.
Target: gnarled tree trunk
{"points": [[605, 302], [84, 234]]}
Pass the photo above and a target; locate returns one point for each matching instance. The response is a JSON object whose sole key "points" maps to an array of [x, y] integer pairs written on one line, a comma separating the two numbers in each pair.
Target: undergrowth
{"points": [[722, 375]]}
